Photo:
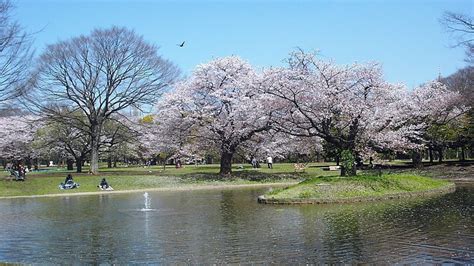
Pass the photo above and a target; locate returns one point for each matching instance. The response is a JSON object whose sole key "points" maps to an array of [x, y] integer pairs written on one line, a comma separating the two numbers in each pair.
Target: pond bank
{"points": [[181, 188], [362, 188]]}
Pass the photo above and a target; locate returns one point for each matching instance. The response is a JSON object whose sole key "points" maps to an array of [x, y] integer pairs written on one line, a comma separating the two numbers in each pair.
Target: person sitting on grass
{"points": [[68, 179], [68, 183], [104, 185]]}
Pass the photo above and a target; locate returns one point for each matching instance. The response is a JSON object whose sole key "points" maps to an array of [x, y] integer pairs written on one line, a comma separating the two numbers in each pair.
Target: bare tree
{"points": [[462, 81], [462, 28], [15, 54], [98, 75], [118, 134]]}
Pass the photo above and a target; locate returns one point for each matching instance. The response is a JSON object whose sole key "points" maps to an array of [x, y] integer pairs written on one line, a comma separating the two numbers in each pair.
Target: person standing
{"points": [[21, 171], [254, 162], [270, 162]]}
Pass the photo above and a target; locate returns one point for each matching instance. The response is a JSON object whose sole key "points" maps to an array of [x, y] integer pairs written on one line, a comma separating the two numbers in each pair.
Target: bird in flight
{"points": [[181, 45]]}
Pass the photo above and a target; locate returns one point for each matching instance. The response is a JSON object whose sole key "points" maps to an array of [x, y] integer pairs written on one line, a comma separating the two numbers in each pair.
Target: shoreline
{"points": [[449, 188], [182, 188]]}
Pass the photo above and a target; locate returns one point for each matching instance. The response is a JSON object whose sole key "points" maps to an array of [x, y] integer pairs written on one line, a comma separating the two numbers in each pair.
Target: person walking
{"points": [[270, 162]]}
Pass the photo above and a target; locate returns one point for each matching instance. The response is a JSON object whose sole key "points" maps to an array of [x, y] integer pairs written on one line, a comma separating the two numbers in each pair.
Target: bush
{"points": [[348, 163]]}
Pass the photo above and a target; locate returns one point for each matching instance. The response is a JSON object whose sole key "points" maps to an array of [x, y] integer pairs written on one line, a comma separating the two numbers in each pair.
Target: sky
{"points": [[405, 37]]}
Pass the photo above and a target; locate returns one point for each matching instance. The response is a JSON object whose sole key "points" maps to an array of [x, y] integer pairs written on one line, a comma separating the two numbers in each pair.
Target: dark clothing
{"points": [[21, 171], [104, 184], [68, 183], [68, 179]]}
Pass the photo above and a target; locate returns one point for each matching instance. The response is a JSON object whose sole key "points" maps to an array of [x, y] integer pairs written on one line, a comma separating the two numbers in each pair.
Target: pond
{"points": [[229, 226]]}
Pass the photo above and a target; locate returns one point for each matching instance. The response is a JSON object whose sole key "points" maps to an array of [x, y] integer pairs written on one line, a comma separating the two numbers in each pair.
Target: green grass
{"points": [[49, 185], [317, 184], [131, 178], [335, 187]]}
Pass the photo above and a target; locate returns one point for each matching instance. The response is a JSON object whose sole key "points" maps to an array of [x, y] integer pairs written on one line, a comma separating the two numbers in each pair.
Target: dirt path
{"points": [[455, 172]]}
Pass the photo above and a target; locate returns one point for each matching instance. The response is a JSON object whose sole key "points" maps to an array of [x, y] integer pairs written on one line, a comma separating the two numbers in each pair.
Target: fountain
{"points": [[147, 203]]}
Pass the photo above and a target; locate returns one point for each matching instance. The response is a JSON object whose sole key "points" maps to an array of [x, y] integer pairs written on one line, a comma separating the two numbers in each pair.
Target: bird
{"points": [[181, 45]]}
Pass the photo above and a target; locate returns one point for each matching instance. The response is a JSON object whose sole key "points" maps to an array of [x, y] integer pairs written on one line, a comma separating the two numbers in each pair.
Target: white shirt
{"points": [[269, 159]]}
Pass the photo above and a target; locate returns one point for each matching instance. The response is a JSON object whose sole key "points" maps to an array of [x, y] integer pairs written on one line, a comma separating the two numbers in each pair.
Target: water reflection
{"points": [[228, 226], [433, 230]]}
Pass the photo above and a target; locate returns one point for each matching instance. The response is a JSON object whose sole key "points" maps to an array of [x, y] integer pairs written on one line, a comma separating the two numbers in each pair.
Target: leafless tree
{"points": [[462, 81], [462, 28], [15, 54], [98, 75]]}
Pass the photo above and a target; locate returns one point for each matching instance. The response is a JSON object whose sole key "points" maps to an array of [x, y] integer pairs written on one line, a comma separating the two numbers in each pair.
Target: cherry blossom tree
{"points": [[221, 105], [67, 142], [168, 135], [334, 103], [280, 145], [430, 107], [18, 132], [227, 105], [350, 107]]}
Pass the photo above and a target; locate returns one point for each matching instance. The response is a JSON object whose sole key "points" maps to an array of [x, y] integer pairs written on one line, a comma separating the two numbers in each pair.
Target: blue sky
{"points": [[404, 36]]}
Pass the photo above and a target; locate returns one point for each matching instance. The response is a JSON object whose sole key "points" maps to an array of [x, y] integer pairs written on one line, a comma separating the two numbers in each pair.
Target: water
{"points": [[228, 226], [147, 203]]}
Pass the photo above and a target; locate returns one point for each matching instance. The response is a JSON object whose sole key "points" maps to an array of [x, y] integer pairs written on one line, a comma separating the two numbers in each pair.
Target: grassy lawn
{"points": [[318, 183], [47, 180], [335, 187], [210, 169]]}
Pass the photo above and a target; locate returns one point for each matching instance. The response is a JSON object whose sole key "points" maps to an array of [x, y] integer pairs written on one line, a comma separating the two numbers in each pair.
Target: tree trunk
{"points": [[440, 154], [28, 163], [463, 154], [337, 160], [226, 163], [348, 167], [430, 151], [95, 141], [70, 164], [109, 162], [416, 159], [349, 172], [115, 162], [79, 163], [94, 160]]}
